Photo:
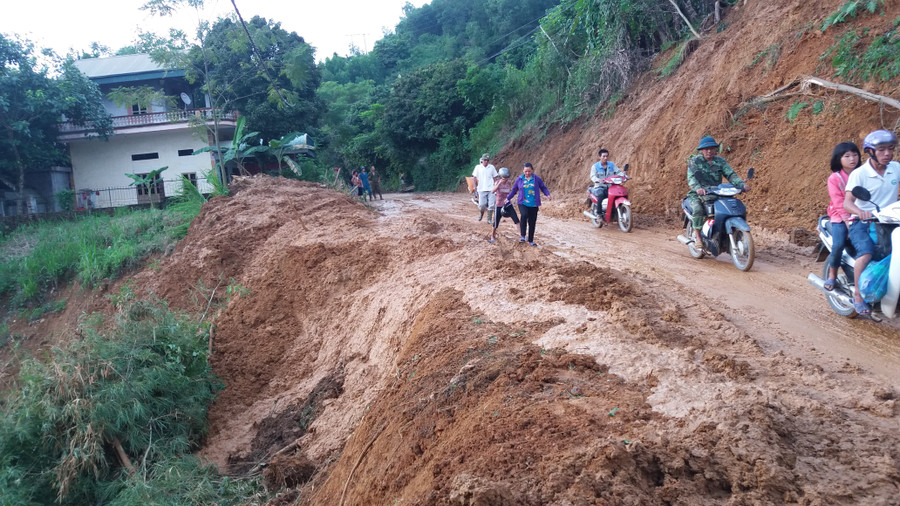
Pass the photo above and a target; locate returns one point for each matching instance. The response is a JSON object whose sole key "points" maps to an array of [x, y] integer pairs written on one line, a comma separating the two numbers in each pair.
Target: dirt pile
{"points": [[390, 353], [656, 126]]}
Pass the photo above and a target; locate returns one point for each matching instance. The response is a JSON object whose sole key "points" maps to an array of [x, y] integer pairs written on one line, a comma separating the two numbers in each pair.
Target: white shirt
{"points": [[883, 188], [485, 177]]}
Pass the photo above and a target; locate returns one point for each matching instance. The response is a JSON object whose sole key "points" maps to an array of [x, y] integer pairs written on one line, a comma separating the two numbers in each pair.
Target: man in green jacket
{"points": [[704, 171]]}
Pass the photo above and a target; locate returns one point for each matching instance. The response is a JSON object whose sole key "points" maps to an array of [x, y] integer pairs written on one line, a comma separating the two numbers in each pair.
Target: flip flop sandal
{"points": [[829, 285], [862, 307]]}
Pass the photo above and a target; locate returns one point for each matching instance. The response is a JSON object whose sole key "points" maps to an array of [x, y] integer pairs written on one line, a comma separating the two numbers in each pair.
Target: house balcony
{"points": [[156, 122]]}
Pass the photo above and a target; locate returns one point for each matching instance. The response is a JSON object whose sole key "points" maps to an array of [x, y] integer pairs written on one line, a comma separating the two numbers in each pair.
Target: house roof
{"points": [[125, 68]]}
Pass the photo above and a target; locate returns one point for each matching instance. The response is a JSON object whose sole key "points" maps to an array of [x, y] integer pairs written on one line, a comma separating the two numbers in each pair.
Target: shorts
{"points": [[860, 239]]}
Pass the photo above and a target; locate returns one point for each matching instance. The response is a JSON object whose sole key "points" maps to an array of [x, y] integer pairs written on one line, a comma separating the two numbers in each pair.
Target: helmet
{"points": [[708, 142], [486, 156], [878, 138], [504, 172]]}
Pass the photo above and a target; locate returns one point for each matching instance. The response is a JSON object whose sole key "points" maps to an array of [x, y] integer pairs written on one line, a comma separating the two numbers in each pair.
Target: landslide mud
{"points": [[388, 353]]}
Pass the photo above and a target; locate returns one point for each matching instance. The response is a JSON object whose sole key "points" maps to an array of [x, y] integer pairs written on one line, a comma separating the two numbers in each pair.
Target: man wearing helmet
{"points": [[600, 171], [706, 170], [484, 174], [881, 176]]}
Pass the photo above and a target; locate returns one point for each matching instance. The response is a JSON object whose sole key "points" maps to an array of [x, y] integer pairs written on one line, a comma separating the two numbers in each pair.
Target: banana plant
{"points": [[279, 149], [239, 148], [147, 180]]}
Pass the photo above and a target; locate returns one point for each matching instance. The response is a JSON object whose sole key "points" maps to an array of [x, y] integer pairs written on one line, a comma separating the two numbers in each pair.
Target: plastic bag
{"points": [[874, 280]]}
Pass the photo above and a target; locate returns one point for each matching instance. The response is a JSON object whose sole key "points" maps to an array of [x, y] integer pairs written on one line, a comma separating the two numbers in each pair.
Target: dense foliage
{"points": [[112, 418], [457, 77], [33, 100]]}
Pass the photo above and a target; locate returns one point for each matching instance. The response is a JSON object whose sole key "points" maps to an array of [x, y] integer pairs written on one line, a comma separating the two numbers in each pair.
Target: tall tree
{"points": [[32, 104]]}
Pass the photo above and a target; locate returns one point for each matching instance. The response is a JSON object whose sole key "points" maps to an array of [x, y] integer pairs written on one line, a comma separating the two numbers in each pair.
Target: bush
{"points": [[66, 200], [140, 390]]}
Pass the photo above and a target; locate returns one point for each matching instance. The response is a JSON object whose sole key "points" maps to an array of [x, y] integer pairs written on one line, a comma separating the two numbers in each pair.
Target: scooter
{"points": [[725, 228], [601, 212], [840, 298]]}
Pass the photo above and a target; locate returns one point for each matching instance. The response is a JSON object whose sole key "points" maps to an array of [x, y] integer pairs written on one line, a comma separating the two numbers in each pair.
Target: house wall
{"points": [[99, 165]]}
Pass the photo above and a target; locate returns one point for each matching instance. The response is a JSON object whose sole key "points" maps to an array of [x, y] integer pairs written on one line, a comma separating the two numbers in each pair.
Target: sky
{"points": [[330, 26]]}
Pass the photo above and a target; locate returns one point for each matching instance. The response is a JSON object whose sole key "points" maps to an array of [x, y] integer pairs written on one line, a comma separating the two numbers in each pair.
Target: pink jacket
{"points": [[837, 182]]}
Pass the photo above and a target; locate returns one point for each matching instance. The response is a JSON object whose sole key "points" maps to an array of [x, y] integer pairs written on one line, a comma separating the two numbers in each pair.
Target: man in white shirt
{"points": [[881, 176], [484, 175]]}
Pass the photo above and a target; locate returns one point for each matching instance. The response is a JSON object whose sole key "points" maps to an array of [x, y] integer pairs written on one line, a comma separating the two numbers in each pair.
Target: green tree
{"points": [[33, 101]]}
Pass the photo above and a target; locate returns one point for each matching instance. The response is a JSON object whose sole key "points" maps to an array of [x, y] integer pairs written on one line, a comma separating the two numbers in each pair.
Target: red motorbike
{"points": [[602, 212]]}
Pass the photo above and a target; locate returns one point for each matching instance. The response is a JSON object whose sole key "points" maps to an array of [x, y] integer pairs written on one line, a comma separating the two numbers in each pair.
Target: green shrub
{"points": [[849, 10], [795, 109], [878, 61], [143, 387], [66, 200]]}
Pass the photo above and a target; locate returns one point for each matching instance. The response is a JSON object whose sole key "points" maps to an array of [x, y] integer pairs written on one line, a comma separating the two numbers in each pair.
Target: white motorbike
{"points": [[841, 297]]}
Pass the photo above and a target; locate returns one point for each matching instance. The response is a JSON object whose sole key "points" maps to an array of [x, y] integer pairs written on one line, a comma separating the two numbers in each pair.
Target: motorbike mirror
{"points": [[750, 173], [625, 169], [861, 193]]}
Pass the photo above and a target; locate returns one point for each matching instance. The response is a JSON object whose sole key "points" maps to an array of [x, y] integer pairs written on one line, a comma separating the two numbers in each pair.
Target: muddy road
{"points": [[773, 301], [388, 352]]}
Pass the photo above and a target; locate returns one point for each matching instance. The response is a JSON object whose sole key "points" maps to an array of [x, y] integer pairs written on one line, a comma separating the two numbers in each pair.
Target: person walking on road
{"points": [[529, 188], [485, 174], [364, 179], [375, 181], [501, 189]]}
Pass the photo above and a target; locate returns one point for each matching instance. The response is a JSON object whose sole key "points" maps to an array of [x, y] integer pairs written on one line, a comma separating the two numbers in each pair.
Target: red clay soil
{"points": [[387, 353], [659, 122]]}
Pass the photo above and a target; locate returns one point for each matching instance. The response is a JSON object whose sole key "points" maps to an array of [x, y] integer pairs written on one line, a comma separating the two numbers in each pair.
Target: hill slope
{"points": [[658, 124]]}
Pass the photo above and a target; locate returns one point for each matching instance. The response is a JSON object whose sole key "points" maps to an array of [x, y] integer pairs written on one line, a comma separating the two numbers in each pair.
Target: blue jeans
{"points": [[838, 241], [859, 237]]}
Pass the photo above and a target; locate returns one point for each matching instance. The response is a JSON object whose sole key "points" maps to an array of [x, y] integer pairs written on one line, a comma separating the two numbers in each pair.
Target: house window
{"points": [[185, 152], [138, 109], [144, 156], [192, 177], [154, 188]]}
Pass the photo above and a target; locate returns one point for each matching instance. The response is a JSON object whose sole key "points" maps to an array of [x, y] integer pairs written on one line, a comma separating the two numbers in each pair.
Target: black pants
{"points": [[529, 218], [498, 215]]}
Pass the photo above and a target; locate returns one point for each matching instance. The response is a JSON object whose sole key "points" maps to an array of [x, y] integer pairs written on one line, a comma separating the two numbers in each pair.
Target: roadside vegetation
{"points": [[113, 418], [39, 258]]}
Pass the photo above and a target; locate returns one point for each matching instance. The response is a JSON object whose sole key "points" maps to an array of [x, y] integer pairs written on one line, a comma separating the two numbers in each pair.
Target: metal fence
{"points": [[89, 198]]}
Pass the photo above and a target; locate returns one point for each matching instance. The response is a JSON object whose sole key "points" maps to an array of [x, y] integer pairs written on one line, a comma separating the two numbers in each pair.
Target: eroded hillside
{"points": [[762, 46]]}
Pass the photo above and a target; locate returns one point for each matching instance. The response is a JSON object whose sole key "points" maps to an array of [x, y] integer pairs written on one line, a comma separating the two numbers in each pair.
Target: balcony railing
{"points": [[155, 118]]}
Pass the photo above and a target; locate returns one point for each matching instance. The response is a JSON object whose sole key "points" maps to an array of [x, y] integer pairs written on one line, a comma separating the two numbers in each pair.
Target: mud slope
{"points": [[660, 120], [391, 354]]}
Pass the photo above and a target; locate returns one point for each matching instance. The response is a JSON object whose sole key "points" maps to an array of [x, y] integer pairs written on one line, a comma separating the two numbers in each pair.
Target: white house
{"points": [[144, 138]]}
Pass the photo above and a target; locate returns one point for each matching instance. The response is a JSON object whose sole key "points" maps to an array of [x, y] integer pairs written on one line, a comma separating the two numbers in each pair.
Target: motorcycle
{"points": [[725, 228], [840, 298], [602, 212]]}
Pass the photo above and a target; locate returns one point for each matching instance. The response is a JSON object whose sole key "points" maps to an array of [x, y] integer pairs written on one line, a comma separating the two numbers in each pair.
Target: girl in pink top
{"points": [[502, 187], [844, 159]]}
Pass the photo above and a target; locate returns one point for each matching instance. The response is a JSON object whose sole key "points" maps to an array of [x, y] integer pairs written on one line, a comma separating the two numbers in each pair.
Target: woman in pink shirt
{"points": [[844, 159], [502, 187]]}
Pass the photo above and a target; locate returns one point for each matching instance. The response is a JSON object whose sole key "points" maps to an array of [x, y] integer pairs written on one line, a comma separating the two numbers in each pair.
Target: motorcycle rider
{"points": [[705, 170], [881, 176], [600, 171]]}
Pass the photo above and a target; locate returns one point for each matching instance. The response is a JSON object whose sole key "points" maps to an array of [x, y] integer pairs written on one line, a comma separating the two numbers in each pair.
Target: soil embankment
{"points": [[398, 355]]}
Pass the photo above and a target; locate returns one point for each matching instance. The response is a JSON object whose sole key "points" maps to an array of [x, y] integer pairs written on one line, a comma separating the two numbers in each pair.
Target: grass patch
{"points": [[140, 390], [39, 257]]}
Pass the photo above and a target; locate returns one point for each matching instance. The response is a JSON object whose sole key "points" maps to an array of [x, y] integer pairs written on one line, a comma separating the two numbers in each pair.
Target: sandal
{"points": [[861, 307], [828, 285]]}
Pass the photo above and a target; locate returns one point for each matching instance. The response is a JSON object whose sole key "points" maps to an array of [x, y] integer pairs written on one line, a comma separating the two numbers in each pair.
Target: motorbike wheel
{"points": [[696, 251], [597, 222], [842, 282], [625, 223], [744, 251]]}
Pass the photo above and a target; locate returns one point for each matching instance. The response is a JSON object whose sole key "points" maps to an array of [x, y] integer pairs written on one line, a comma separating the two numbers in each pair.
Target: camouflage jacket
{"points": [[703, 174]]}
